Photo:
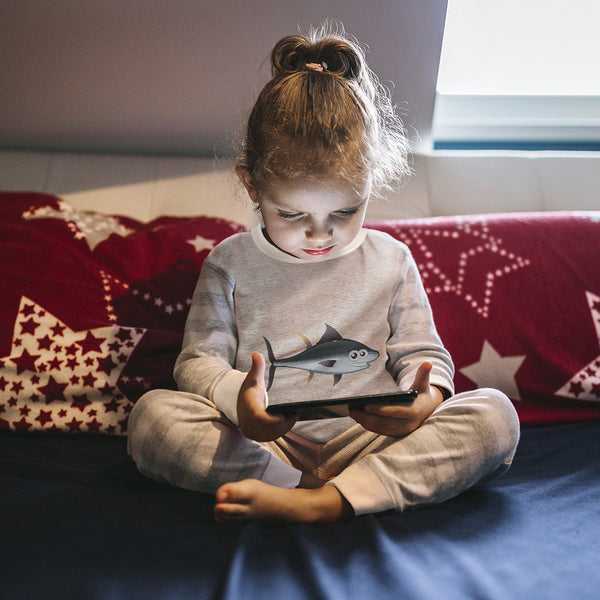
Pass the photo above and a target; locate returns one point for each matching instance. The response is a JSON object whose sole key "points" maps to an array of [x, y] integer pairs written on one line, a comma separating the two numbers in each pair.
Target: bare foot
{"points": [[251, 499]]}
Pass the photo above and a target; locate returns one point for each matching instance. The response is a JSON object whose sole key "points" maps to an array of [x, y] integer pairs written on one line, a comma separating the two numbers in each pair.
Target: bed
{"points": [[91, 316], [80, 522]]}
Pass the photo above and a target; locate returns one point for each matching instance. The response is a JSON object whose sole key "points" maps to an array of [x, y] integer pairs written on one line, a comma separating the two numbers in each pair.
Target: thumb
{"points": [[421, 382], [256, 374]]}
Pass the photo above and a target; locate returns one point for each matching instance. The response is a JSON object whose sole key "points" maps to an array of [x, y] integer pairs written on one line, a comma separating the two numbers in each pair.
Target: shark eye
{"points": [[356, 354]]}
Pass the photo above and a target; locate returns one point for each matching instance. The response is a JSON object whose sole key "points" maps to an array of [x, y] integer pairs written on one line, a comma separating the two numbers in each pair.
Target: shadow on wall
{"points": [[145, 187], [444, 183]]}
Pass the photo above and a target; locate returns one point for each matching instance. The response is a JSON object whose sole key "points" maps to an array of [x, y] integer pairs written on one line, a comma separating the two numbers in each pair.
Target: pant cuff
{"points": [[281, 474], [363, 489]]}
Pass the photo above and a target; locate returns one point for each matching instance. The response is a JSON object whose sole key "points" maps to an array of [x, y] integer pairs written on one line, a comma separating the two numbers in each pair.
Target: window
{"points": [[519, 74]]}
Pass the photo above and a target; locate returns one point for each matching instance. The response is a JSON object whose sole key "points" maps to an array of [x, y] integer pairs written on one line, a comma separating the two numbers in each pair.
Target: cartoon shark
{"points": [[332, 354]]}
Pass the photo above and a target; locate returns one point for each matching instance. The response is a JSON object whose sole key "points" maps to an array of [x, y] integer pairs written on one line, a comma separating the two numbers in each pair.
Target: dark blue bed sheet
{"points": [[79, 522]]}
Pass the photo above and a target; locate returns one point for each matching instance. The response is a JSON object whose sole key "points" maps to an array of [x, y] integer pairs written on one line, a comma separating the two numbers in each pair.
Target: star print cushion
{"points": [[92, 310], [516, 300]]}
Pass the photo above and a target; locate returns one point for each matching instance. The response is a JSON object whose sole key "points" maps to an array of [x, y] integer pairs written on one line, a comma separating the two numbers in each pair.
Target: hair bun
{"points": [[324, 116], [337, 54], [290, 55]]}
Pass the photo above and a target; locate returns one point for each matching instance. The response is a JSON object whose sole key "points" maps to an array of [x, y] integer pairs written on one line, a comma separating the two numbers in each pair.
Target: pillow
{"points": [[516, 300], [92, 310]]}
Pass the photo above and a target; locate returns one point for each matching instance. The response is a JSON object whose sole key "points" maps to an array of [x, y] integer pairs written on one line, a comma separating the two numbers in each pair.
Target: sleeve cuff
{"points": [[445, 386], [446, 393], [226, 392]]}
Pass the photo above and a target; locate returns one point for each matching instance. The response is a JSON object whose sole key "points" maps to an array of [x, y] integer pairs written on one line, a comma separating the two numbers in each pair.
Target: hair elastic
{"points": [[322, 66]]}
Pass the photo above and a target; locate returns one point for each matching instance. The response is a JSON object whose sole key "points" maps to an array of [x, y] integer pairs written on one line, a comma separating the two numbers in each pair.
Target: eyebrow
{"points": [[342, 208], [354, 207]]}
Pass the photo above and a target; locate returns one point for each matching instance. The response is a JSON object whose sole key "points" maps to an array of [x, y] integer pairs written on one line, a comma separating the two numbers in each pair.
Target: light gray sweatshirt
{"points": [[358, 322]]}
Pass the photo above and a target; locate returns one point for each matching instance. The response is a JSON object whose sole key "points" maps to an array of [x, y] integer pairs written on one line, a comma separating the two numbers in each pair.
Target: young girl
{"points": [[321, 140]]}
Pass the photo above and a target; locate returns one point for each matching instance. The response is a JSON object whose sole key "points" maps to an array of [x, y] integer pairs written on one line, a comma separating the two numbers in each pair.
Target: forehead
{"points": [[313, 194]]}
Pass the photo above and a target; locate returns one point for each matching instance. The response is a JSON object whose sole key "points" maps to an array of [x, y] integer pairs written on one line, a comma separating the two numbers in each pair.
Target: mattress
{"points": [[80, 522]]}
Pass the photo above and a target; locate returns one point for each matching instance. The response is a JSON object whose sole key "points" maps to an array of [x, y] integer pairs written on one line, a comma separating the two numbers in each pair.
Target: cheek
{"points": [[349, 229], [281, 233]]}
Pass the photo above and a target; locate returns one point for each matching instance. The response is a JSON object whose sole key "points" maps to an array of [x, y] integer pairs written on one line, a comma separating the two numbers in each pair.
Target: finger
{"points": [[267, 432], [395, 411], [256, 374], [280, 429], [265, 426], [253, 387], [382, 425], [421, 382], [266, 418]]}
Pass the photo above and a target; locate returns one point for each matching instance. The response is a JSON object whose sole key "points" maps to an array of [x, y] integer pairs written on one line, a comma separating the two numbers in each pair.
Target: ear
{"points": [[246, 179]]}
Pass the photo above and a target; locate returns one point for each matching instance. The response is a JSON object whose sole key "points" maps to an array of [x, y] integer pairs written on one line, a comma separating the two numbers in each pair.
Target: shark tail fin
{"points": [[271, 360]]}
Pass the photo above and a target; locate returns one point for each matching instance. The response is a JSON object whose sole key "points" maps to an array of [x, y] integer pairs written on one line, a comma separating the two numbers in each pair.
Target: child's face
{"points": [[309, 220]]}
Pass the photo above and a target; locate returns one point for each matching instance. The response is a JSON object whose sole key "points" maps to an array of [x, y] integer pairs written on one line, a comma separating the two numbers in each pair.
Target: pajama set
{"points": [[365, 317]]}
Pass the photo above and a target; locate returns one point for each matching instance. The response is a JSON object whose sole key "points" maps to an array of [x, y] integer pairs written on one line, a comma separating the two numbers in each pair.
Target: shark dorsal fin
{"points": [[330, 334], [306, 340]]}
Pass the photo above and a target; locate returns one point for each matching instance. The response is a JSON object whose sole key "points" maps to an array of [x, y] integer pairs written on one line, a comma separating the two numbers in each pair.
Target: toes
{"points": [[232, 502], [223, 494], [226, 513], [234, 492]]}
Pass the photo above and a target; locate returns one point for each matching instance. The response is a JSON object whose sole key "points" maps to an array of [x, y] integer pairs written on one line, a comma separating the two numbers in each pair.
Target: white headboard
{"points": [[447, 183]]}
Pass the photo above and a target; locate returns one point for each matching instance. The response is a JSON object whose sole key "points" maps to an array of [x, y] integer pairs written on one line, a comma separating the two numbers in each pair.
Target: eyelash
{"points": [[344, 214], [290, 216], [340, 214]]}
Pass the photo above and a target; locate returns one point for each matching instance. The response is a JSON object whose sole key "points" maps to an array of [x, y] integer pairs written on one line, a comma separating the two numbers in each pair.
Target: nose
{"points": [[319, 232]]}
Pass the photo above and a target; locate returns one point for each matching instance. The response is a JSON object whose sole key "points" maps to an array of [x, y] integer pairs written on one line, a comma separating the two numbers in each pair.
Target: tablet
{"points": [[336, 407]]}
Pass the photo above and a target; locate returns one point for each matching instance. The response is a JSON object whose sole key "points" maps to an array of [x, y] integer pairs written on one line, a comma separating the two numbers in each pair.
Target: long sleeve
{"points": [[205, 365], [414, 338]]}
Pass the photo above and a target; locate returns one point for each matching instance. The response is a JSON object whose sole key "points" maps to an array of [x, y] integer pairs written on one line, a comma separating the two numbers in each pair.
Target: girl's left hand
{"points": [[396, 420]]}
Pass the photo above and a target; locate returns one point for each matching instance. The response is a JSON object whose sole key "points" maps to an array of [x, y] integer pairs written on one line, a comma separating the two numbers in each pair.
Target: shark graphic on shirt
{"points": [[332, 354]]}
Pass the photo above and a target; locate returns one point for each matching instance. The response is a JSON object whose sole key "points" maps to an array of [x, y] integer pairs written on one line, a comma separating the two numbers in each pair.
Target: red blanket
{"points": [[93, 307], [92, 310], [516, 299]]}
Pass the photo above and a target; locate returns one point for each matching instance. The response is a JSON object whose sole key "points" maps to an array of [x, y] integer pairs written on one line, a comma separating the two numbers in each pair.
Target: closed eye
{"points": [[345, 213], [290, 216]]}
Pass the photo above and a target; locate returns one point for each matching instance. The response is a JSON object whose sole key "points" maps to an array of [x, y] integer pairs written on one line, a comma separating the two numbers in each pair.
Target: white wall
{"points": [[443, 184]]}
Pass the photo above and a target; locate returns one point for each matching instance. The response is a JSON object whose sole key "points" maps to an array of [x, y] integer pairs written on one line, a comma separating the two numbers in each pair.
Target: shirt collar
{"points": [[269, 249]]}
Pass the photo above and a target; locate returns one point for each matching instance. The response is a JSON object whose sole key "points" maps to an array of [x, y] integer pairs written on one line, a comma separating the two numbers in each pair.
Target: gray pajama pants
{"points": [[183, 439]]}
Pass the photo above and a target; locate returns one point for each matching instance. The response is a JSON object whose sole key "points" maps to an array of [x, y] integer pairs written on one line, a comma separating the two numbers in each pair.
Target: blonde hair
{"points": [[324, 116]]}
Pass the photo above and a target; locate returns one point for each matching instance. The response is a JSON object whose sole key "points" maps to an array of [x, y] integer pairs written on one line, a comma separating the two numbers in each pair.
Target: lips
{"points": [[318, 251]]}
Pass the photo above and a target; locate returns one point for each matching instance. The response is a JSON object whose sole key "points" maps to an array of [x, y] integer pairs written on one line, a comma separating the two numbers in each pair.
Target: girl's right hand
{"points": [[254, 421]]}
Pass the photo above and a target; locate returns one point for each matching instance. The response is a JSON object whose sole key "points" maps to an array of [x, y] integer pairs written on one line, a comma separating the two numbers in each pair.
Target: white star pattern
{"points": [[107, 282], [55, 375], [495, 371], [91, 226], [479, 242], [57, 378], [157, 302], [201, 243], [585, 385]]}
